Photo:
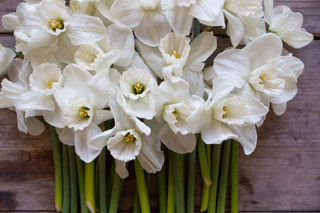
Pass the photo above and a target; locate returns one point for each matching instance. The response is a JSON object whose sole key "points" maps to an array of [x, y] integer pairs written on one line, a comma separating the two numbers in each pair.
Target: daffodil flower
{"points": [[228, 114], [287, 24], [82, 108], [137, 93], [41, 24], [175, 49], [13, 89], [267, 72], [129, 139]]}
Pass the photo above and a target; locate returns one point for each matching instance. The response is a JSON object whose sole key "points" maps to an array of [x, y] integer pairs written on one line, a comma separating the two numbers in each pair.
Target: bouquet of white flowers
{"points": [[137, 80]]}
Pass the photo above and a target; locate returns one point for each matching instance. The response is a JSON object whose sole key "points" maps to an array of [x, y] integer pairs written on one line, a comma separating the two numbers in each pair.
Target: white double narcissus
{"points": [[286, 24], [137, 93], [273, 77], [228, 114], [83, 99], [175, 49]]}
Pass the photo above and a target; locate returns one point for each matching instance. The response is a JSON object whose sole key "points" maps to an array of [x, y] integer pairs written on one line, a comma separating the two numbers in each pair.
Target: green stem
{"points": [[203, 161], [89, 178], [57, 168], [66, 182], [178, 174], [80, 171], [142, 188], [102, 181], [73, 180], [171, 192], [116, 192], [162, 189], [234, 177], [191, 181], [224, 177], [206, 188], [215, 165], [136, 202]]}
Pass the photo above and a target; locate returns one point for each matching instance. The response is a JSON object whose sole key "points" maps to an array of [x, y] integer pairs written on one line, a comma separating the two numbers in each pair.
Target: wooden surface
{"points": [[282, 175]]}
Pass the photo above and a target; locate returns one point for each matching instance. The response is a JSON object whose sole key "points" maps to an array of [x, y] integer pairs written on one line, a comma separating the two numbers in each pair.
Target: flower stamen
{"points": [[129, 138], [83, 112], [262, 78], [49, 85], [225, 114], [56, 24], [175, 54], [138, 88]]}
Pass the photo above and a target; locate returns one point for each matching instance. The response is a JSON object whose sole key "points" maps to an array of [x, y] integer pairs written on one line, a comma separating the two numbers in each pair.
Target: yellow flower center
{"points": [[175, 113], [49, 85], [56, 24], [175, 54], [129, 138], [83, 112], [225, 114], [262, 78], [138, 88]]}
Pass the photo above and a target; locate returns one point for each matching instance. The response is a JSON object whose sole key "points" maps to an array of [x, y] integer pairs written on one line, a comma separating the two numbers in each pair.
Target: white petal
{"points": [[179, 19], [81, 143], [201, 48], [122, 41], [66, 135], [176, 142], [152, 57], [151, 157], [279, 109], [232, 65], [153, 27], [121, 169], [84, 29], [35, 126], [35, 101], [235, 28], [263, 49], [127, 12]]}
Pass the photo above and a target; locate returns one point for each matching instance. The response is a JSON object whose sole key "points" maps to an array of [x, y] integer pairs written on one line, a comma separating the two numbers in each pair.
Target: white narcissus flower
{"points": [[228, 114], [129, 139], [174, 105], [175, 49], [266, 71], [13, 89], [287, 24], [83, 100], [245, 21], [137, 93], [40, 25], [116, 48]]}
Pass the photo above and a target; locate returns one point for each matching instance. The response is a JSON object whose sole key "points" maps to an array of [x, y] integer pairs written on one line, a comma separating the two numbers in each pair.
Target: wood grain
{"points": [[282, 175]]}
